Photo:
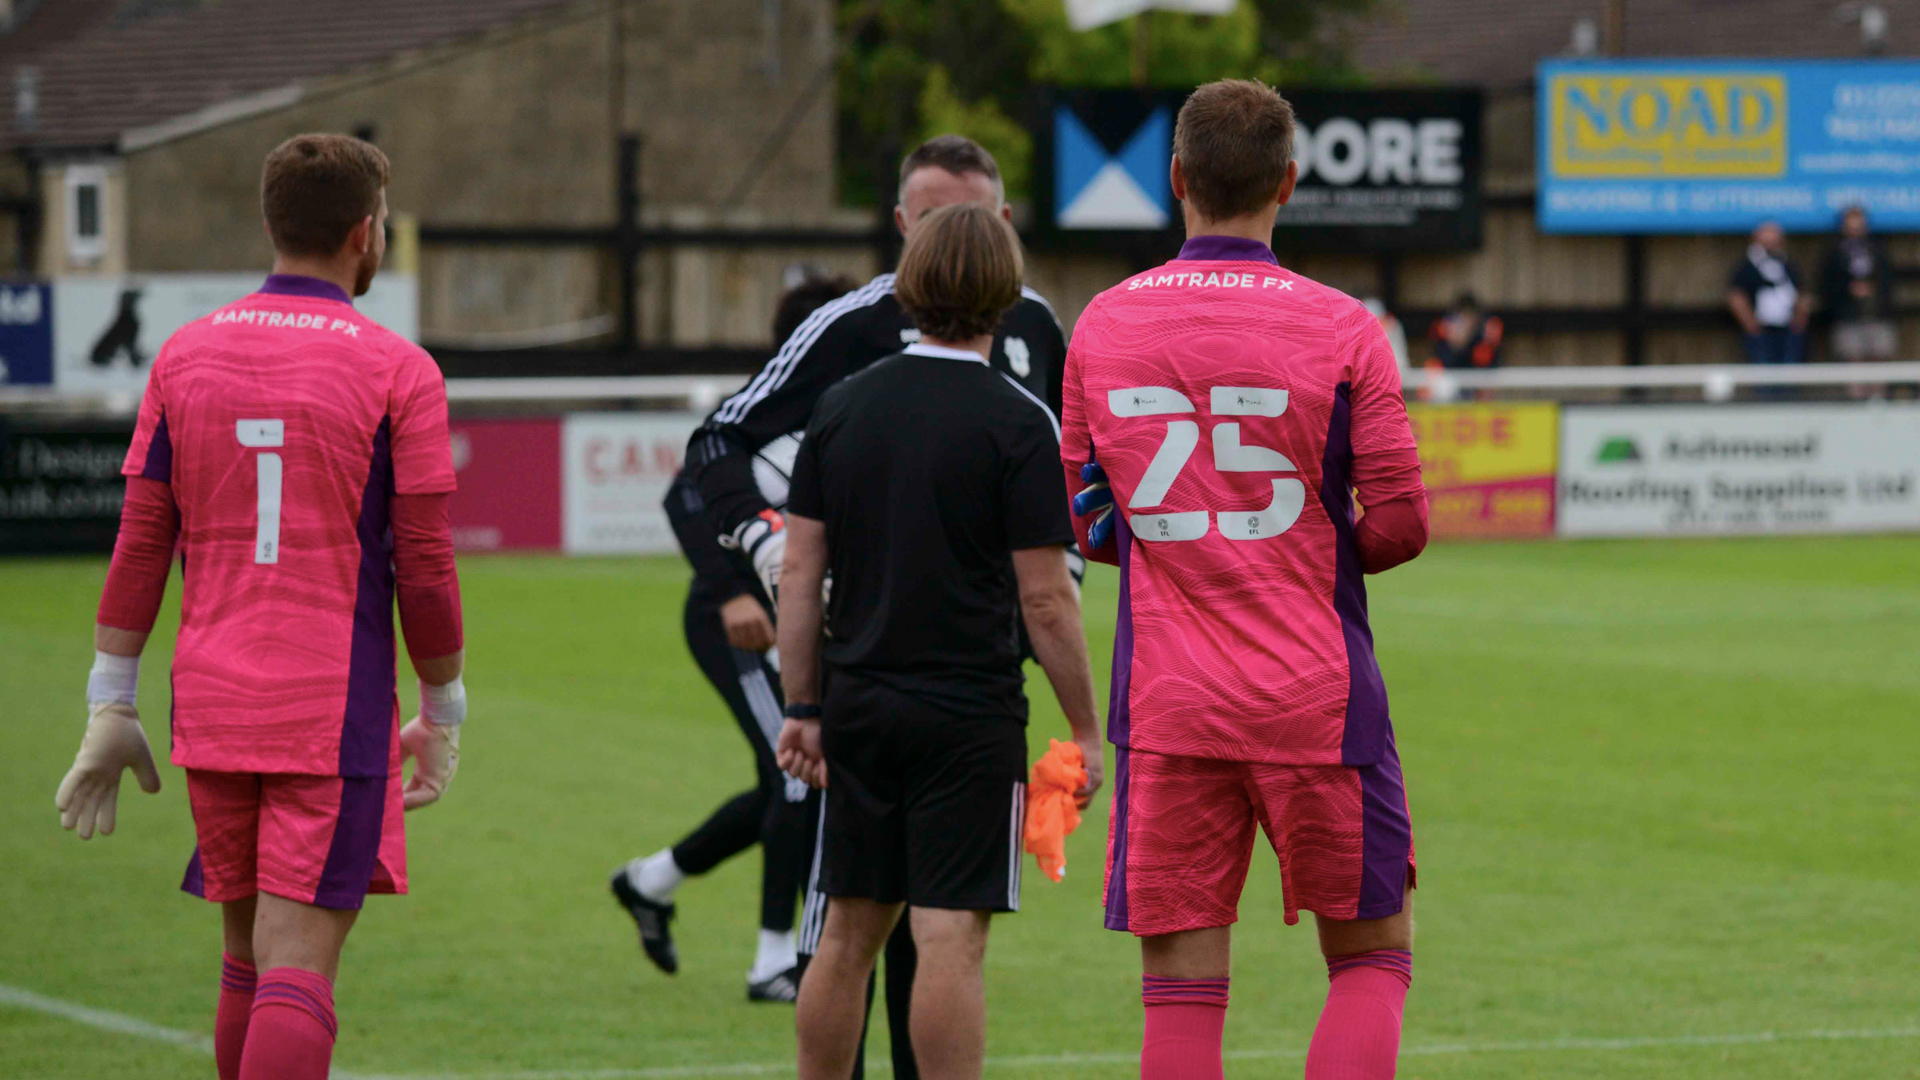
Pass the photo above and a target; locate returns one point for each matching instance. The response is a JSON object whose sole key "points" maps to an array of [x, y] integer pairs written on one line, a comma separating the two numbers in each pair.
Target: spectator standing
{"points": [[1466, 337], [1856, 290], [1766, 298]]}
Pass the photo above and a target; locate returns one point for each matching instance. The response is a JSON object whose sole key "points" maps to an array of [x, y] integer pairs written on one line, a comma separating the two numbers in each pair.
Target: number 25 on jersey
{"points": [[1229, 455]]}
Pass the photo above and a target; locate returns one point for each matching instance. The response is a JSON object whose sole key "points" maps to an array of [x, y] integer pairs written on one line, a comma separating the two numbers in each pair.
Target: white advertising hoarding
{"points": [[1739, 469], [615, 468], [106, 330]]}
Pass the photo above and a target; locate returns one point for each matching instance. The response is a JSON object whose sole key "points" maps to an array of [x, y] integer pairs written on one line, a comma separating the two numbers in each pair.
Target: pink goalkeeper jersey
{"points": [[1234, 405], [285, 423]]}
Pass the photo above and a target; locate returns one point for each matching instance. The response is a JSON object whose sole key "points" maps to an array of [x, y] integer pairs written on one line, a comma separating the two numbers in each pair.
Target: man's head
{"points": [[945, 170], [1769, 235], [1233, 151], [960, 272], [1853, 222], [804, 299], [325, 200]]}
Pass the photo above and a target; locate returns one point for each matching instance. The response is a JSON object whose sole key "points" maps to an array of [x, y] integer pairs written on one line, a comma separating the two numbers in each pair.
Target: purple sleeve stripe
{"points": [[159, 463]]}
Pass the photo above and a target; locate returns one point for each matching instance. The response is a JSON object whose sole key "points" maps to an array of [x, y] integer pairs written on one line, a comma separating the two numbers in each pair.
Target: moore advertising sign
{"points": [[1378, 168], [1717, 146], [1731, 469]]}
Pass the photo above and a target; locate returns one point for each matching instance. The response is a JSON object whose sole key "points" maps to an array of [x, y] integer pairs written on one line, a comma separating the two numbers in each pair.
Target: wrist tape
{"points": [[113, 679], [445, 705]]}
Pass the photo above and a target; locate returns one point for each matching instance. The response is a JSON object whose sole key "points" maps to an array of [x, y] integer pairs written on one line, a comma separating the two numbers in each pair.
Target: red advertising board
{"points": [[509, 472]]}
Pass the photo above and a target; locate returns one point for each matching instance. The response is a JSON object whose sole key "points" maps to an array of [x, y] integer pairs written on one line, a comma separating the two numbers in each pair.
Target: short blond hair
{"points": [[960, 272]]}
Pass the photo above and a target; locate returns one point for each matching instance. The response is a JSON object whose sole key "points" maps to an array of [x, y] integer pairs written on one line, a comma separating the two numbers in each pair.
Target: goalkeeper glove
{"points": [[763, 540], [1095, 499], [432, 739], [90, 792]]}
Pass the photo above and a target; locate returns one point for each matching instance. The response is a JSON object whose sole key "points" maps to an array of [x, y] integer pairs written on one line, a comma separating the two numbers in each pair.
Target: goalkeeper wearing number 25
{"points": [[296, 455], [1220, 413]]}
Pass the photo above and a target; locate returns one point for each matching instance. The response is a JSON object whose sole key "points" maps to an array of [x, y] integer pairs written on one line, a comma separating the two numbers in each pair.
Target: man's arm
{"points": [[802, 618], [1091, 499], [427, 586], [136, 581], [1050, 605], [1386, 462]]}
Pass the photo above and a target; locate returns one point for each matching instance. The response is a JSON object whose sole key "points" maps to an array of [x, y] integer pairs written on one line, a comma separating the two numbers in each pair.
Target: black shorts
{"points": [[923, 806]]}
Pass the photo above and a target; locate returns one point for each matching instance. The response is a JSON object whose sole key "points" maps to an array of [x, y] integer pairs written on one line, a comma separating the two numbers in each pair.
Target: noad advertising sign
{"points": [[1739, 469]]}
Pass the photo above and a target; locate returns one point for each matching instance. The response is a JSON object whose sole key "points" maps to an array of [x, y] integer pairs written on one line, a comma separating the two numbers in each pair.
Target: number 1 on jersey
{"points": [[258, 434]]}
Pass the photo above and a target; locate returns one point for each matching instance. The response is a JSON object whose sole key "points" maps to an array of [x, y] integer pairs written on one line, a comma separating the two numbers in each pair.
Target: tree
{"points": [[916, 68]]}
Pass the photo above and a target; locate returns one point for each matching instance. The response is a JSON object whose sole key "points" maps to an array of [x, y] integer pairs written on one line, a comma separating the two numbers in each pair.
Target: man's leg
{"points": [[903, 964], [949, 993], [1369, 969], [832, 1007], [297, 949], [1184, 989], [238, 975], [646, 885]]}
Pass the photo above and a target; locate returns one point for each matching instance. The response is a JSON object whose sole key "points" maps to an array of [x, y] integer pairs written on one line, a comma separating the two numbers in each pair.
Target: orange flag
{"points": [[1051, 814]]}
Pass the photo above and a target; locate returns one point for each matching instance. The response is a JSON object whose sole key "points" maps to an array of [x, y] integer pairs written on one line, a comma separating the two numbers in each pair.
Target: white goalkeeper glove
{"points": [[763, 540], [114, 741], [432, 740]]}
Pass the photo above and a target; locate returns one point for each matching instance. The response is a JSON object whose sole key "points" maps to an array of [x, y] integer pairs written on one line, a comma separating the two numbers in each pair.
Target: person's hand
{"points": [[747, 624], [436, 752], [90, 792], [1090, 747], [1096, 499], [800, 754]]}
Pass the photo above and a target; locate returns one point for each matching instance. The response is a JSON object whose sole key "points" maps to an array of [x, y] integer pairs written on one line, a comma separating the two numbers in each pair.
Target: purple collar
{"points": [[302, 285], [1227, 249]]}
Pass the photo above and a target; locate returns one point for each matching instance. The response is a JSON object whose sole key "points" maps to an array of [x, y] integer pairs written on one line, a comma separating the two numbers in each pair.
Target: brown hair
{"points": [[1233, 139], [316, 188], [960, 272], [956, 154]]}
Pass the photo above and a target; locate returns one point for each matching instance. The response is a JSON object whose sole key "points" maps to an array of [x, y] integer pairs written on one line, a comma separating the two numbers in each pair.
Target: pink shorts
{"points": [[321, 840], [1181, 838]]}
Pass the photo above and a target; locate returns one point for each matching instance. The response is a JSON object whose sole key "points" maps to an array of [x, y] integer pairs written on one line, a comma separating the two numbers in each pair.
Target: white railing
{"points": [[1716, 382]]}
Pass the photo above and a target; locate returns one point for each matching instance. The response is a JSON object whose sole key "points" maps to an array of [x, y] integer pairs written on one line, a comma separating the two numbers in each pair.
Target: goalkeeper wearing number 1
{"points": [[1222, 414], [296, 455]]}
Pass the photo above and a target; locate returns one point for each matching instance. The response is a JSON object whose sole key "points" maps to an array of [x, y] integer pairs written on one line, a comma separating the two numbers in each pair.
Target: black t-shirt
{"points": [[1771, 284], [841, 337], [930, 469]]}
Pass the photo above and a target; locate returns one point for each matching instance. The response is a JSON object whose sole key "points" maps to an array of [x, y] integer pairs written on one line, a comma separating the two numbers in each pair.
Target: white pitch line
{"points": [[187, 1040]]}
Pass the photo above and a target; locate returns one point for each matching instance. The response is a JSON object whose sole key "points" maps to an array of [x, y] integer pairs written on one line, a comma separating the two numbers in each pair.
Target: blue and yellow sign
{"points": [[1717, 146]]}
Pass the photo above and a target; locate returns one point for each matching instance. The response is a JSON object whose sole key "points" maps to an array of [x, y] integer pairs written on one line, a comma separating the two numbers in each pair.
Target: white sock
{"points": [[775, 955], [656, 876]]}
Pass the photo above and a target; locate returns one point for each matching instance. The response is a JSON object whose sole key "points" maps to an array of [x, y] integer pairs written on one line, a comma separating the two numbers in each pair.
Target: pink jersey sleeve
{"points": [[1385, 464], [422, 454], [1076, 438], [150, 455]]}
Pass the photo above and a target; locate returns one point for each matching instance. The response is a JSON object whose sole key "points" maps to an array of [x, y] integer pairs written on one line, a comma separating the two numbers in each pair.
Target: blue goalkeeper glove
{"points": [[1095, 499]]}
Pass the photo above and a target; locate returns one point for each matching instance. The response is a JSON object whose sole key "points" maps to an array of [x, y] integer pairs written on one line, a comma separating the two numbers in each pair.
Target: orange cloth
{"points": [[1051, 813]]}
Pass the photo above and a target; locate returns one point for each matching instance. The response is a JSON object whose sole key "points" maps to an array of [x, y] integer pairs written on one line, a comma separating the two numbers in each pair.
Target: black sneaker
{"points": [[654, 920], [783, 988]]}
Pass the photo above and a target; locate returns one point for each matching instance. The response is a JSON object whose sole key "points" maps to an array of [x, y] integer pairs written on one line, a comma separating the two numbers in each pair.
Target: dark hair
{"points": [[956, 154], [1465, 301], [1233, 139], [316, 188], [803, 300], [960, 272]]}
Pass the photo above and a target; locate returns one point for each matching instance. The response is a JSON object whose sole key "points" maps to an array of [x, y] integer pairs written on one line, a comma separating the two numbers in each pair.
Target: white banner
{"points": [[1736, 469], [106, 330], [615, 468]]}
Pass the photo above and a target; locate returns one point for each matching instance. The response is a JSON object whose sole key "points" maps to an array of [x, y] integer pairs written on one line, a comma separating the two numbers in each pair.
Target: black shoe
{"points": [[783, 988], [654, 920]]}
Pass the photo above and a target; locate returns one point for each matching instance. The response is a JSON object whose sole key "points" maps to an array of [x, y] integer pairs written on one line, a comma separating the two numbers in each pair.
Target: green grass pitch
{"points": [[1664, 793]]}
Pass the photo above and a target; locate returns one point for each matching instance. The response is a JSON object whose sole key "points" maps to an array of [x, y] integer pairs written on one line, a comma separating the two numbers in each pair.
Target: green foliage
{"points": [[913, 67]]}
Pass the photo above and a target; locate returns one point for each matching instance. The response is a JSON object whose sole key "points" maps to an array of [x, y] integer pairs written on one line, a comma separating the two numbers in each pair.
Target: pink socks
{"points": [[230, 1019], [290, 1036], [1359, 1033], [1184, 1020]]}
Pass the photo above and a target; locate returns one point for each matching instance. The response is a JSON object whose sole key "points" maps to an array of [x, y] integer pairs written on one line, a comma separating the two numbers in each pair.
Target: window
{"points": [[86, 212]]}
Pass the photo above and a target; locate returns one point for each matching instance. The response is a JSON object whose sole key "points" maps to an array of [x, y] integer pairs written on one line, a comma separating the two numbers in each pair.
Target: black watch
{"points": [[798, 711]]}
